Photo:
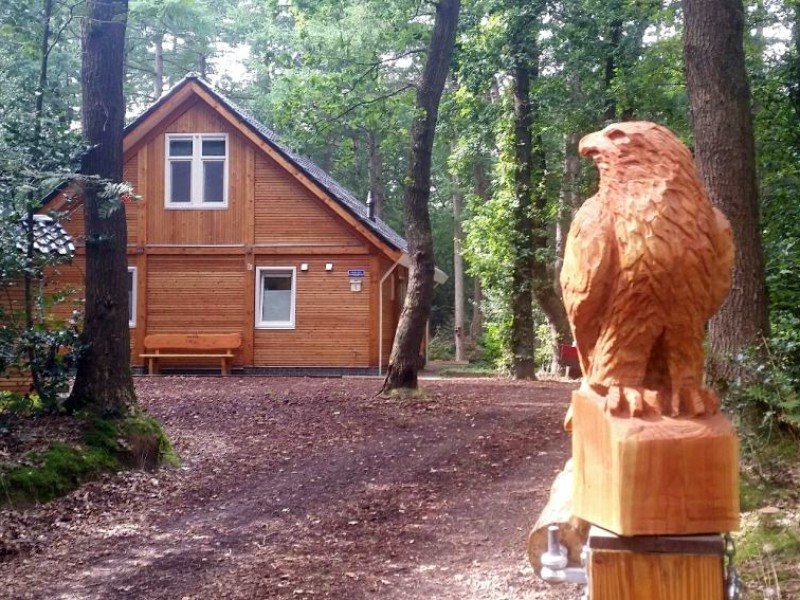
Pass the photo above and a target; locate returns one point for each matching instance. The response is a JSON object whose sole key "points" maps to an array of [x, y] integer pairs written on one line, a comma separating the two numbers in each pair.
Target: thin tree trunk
{"points": [[568, 200], [30, 274], [404, 359], [158, 73], [476, 324], [481, 183], [614, 38], [103, 382], [458, 272], [202, 66], [375, 161], [719, 96]]}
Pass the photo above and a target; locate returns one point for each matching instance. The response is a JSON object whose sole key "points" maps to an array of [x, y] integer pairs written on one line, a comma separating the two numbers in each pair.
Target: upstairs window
{"points": [[197, 171]]}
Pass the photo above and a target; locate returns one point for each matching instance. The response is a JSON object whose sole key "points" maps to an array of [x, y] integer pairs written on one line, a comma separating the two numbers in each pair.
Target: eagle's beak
{"points": [[589, 145]]}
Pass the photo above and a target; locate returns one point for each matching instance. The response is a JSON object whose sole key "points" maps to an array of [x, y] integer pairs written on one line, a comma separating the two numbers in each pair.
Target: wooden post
{"points": [[655, 567]]}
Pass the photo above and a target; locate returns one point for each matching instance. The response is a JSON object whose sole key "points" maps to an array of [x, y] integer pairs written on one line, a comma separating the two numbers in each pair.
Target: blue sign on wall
{"points": [[356, 273]]}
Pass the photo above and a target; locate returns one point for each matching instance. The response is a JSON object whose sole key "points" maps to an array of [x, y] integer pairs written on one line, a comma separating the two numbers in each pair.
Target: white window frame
{"points": [[132, 308], [196, 160], [290, 324]]}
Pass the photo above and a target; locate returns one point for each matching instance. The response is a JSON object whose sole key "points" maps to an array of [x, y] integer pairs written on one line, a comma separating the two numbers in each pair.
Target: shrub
{"points": [[768, 397]]}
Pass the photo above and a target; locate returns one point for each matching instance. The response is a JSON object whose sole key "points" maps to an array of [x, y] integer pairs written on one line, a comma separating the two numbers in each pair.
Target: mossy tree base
{"points": [[107, 446]]}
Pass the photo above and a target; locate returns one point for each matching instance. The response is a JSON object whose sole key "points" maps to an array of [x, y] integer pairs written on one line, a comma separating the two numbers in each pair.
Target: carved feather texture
{"points": [[647, 262]]}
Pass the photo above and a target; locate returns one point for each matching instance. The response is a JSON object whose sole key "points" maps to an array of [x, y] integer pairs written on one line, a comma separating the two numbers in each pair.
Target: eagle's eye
{"points": [[618, 136]]}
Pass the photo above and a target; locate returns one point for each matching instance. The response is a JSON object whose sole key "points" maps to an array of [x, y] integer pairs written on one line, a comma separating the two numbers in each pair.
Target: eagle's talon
{"points": [[693, 402], [624, 401]]}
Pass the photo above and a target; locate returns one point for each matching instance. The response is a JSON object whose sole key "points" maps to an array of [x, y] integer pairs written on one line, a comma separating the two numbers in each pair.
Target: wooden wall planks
{"points": [[196, 268], [285, 211], [219, 226]]}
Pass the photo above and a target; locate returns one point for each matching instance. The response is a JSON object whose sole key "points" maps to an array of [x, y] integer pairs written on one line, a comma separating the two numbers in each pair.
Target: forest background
{"points": [[336, 79]]}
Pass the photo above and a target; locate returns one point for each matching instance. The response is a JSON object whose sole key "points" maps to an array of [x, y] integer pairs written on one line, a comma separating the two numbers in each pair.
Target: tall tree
{"points": [[404, 359], [719, 97], [523, 47], [103, 383], [531, 274]]}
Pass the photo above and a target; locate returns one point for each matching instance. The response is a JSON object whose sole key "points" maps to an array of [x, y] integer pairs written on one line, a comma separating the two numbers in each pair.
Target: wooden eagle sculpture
{"points": [[647, 262]]}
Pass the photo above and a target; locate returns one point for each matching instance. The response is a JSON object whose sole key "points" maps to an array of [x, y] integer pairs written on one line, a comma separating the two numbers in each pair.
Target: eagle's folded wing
{"points": [[585, 282]]}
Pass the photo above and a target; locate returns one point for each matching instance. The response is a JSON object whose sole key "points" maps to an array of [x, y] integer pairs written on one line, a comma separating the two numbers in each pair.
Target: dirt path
{"points": [[311, 488]]}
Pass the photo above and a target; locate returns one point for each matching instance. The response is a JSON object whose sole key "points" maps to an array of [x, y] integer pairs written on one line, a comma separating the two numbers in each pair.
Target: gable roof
{"points": [[338, 193]]}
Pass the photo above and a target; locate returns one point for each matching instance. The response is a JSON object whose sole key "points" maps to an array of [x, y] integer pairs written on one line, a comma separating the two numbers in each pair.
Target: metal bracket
{"points": [[554, 562]]}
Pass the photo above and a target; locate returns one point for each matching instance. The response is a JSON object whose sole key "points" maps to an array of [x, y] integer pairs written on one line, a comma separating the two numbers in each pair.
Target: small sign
{"points": [[356, 273]]}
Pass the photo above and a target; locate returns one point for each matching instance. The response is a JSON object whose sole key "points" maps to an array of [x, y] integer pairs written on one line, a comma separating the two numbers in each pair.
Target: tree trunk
{"points": [[476, 324], [545, 290], [532, 275], [568, 200], [522, 334], [158, 73], [103, 382], [614, 38], [481, 182], [376, 173], [458, 272], [719, 97], [404, 359], [30, 276]]}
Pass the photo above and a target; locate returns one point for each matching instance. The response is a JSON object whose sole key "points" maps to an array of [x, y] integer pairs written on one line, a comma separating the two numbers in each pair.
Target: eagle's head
{"points": [[633, 150]]}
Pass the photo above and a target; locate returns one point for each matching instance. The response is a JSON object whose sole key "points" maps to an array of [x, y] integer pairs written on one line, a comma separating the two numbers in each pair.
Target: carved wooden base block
{"points": [[654, 476], [655, 568]]}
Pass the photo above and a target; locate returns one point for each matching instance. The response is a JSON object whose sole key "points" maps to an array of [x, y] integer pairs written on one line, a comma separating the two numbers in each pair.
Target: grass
{"points": [[469, 370], [106, 446], [768, 542]]}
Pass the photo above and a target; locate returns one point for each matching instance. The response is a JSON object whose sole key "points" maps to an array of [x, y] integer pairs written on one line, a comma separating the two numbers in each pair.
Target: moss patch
{"points": [[147, 443], [52, 473], [107, 446]]}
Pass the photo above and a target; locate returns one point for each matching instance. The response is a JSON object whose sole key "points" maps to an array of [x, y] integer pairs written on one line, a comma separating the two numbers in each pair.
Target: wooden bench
{"points": [[191, 345]]}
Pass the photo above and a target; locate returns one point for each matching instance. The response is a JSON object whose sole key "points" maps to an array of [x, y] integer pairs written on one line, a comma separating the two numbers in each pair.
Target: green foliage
{"points": [[193, 35], [778, 541], [480, 369], [441, 345], [543, 355], [769, 398]]}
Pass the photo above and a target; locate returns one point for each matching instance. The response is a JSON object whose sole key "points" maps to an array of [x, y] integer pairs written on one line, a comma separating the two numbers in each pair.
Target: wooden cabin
{"points": [[235, 234]]}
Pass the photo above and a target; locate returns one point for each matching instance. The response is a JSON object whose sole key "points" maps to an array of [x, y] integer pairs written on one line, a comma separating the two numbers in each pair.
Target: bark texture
{"points": [[532, 277], [568, 200], [404, 359], [522, 334], [719, 97], [103, 382]]}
